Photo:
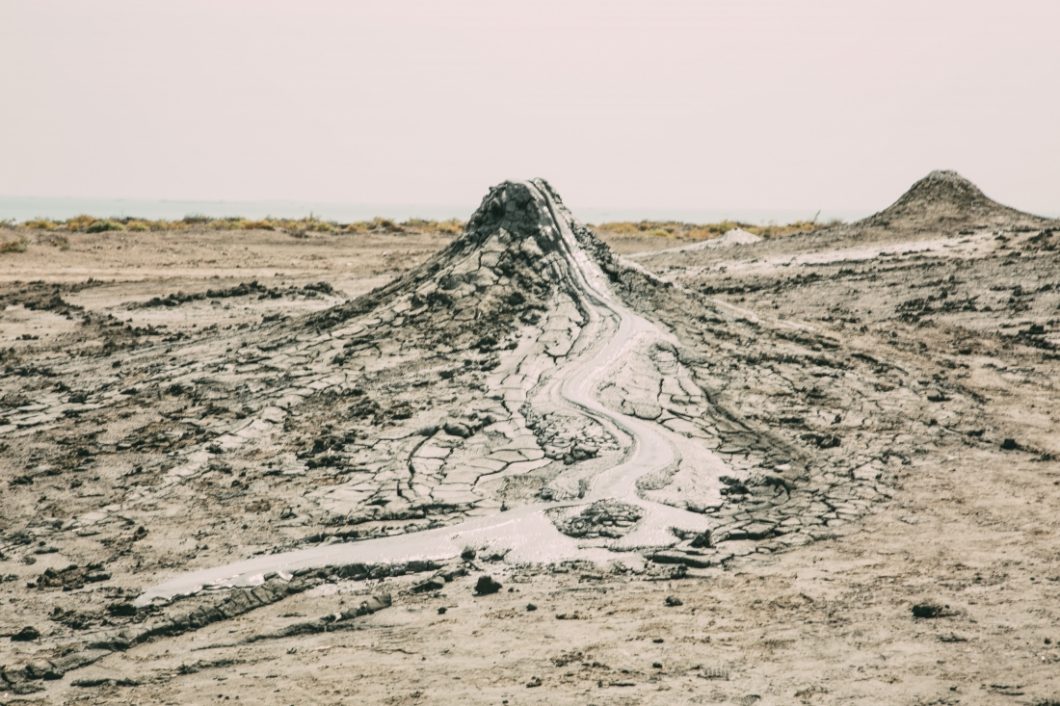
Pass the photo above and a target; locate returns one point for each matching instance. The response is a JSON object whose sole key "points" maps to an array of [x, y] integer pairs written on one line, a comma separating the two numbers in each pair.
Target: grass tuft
{"points": [[41, 224]]}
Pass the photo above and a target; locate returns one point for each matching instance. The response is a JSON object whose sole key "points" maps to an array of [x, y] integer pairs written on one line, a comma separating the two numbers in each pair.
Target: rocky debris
{"points": [[72, 577], [604, 518], [673, 602], [243, 289]]}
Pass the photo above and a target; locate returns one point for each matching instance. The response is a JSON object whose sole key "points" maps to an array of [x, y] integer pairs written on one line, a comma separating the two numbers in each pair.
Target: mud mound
{"points": [[944, 198], [738, 236]]}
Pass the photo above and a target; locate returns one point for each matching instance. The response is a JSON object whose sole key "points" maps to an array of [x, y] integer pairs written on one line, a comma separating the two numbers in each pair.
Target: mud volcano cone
{"points": [[944, 198], [511, 249], [505, 269]]}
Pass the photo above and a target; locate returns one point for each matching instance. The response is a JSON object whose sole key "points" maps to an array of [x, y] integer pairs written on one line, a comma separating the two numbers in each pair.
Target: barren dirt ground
{"points": [[881, 399]]}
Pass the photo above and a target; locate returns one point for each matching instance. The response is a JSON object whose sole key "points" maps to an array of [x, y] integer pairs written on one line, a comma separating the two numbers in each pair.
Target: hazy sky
{"points": [[654, 104]]}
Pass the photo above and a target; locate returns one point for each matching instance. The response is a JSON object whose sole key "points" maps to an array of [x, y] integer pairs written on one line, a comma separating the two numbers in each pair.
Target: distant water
{"points": [[19, 208]]}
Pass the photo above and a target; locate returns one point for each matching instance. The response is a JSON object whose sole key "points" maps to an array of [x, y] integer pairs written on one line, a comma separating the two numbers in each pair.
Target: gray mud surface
{"points": [[515, 466]]}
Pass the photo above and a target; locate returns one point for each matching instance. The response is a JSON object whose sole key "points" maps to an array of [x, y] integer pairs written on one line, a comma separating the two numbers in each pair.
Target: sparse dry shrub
{"points": [[138, 226], [261, 224], [619, 228], [314, 225], [452, 226], [702, 232], [779, 231], [79, 223], [41, 224], [103, 225], [386, 225], [17, 244]]}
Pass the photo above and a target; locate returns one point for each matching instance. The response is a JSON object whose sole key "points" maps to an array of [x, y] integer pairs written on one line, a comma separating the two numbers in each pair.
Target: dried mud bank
{"points": [[523, 404]]}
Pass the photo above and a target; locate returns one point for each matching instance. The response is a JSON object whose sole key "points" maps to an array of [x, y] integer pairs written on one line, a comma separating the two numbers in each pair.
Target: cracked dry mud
{"points": [[240, 489]]}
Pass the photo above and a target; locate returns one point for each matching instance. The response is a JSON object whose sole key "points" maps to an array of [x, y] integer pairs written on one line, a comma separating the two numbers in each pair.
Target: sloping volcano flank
{"points": [[944, 197], [506, 268]]}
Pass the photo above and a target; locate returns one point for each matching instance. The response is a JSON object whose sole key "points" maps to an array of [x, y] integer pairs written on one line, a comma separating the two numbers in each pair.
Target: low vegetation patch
{"points": [[677, 230], [303, 227], [102, 226], [196, 222]]}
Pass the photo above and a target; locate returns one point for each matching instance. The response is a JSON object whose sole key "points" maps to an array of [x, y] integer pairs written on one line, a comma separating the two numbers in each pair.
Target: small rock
{"points": [[122, 610], [530, 608], [26, 634], [486, 585], [1009, 445], [929, 609], [457, 429], [703, 540], [673, 601], [534, 681]]}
